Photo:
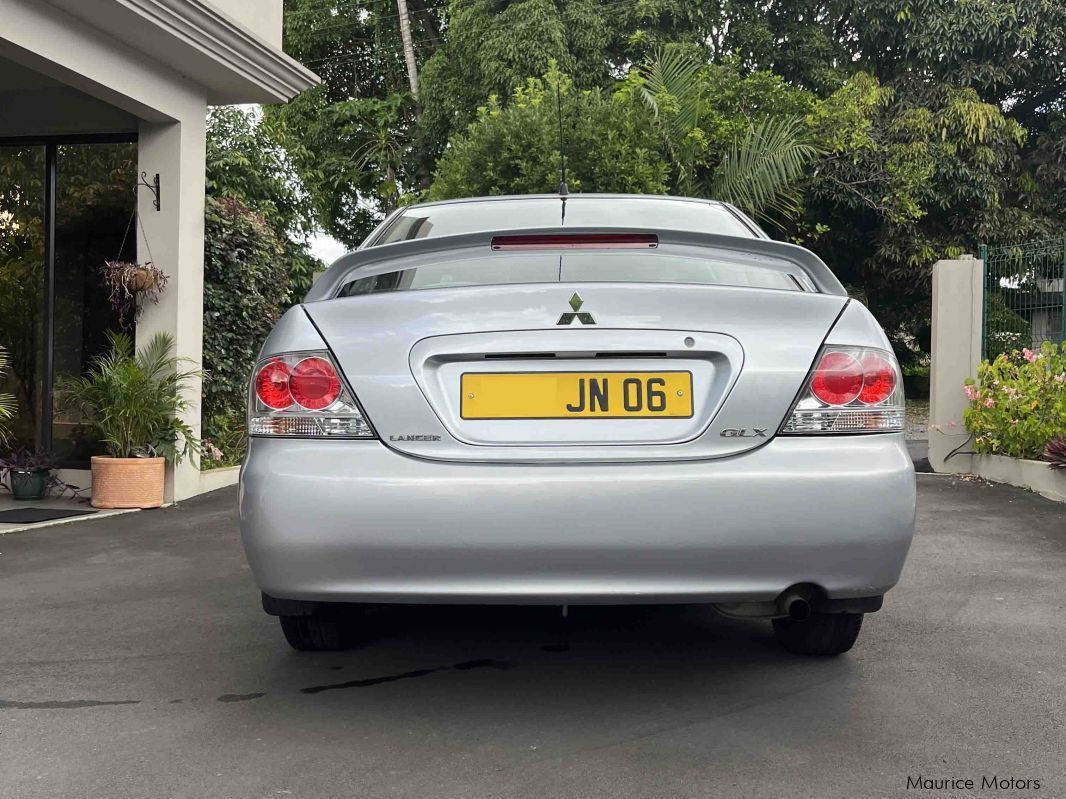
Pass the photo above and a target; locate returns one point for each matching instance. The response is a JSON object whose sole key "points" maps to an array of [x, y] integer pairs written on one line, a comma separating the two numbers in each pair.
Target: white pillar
{"points": [[958, 303], [175, 239]]}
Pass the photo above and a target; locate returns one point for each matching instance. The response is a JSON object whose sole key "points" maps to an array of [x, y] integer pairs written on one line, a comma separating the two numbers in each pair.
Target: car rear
{"points": [[578, 414]]}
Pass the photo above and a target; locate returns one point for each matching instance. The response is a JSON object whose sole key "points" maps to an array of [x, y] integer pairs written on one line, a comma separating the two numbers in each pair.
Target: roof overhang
{"points": [[202, 44]]}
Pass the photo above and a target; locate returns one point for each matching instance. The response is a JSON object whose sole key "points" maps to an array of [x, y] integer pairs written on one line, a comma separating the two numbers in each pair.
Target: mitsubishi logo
{"points": [[568, 318]]}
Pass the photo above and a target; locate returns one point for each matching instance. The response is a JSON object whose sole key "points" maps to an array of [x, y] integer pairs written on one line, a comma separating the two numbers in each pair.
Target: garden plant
{"points": [[1018, 402]]}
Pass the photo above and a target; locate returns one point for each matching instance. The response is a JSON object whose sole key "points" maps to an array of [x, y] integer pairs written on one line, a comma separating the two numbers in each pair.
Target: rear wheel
{"points": [[314, 633], [821, 634]]}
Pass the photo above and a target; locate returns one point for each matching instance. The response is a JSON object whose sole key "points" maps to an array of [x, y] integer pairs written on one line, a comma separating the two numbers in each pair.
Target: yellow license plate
{"points": [[576, 395]]}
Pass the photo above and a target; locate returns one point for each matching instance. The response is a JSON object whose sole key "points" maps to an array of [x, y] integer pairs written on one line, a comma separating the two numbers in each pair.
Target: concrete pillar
{"points": [[958, 304], [175, 241]]}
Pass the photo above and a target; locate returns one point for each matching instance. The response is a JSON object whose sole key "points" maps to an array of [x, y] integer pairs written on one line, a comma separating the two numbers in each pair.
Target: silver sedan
{"points": [[585, 399]]}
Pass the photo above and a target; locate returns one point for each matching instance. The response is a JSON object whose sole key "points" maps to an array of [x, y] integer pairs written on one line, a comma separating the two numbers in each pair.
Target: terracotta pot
{"points": [[127, 482]]}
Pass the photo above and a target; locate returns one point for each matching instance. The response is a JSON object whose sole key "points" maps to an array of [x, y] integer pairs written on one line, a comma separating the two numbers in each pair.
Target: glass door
{"points": [[65, 208], [22, 274], [94, 201]]}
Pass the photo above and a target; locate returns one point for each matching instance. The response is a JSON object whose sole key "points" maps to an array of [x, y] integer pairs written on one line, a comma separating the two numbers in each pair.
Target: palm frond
{"points": [[670, 80], [7, 402], [759, 172], [155, 358]]}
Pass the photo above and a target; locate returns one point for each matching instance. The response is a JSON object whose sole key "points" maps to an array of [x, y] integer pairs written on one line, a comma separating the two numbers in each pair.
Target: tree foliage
{"points": [[246, 287], [610, 145], [246, 161], [883, 134]]}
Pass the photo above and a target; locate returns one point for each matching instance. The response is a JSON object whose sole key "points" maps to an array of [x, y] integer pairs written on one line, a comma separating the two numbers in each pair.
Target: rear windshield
{"points": [[578, 267], [639, 212]]}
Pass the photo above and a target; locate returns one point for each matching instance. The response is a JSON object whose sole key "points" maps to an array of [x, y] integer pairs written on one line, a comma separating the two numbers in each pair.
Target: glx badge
{"points": [[584, 318], [743, 432]]}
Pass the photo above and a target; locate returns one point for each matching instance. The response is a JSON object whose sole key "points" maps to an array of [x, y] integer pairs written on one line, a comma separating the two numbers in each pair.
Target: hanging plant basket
{"points": [[129, 285], [144, 279]]}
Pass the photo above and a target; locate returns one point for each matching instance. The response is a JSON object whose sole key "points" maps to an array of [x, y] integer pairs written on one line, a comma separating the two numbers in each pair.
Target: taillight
{"points": [[272, 385], [851, 390], [301, 394], [878, 379], [314, 384], [837, 380]]}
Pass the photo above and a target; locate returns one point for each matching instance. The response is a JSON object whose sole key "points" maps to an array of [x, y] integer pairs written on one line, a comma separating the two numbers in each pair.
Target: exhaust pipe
{"points": [[795, 605]]}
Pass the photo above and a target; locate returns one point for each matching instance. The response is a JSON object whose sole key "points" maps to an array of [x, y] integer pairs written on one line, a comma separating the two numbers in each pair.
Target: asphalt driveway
{"points": [[135, 662]]}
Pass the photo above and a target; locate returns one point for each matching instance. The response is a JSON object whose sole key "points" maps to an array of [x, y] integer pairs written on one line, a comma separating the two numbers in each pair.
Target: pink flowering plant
{"points": [[1018, 402]]}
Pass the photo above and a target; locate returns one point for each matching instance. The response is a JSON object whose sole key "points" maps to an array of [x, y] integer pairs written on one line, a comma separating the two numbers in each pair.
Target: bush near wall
{"points": [[246, 288], [1018, 402]]}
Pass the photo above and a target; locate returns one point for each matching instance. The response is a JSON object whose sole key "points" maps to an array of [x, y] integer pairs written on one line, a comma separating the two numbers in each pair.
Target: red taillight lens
{"points": [[272, 385], [879, 379], [838, 379], [314, 384]]}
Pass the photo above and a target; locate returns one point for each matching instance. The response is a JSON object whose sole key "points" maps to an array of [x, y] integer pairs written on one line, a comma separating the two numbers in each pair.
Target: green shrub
{"points": [[1006, 331], [246, 287], [226, 444], [1018, 403]]}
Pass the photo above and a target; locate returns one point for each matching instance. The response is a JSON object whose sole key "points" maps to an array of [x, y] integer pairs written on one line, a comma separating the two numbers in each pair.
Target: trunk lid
{"points": [[741, 354]]}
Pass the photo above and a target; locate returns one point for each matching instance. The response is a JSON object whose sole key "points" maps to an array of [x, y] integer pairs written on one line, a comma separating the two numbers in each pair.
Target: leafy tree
{"points": [[351, 139], [884, 134], [907, 179], [246, 161], [493, 47], [610, 143], [352, 156], [732, 138]]}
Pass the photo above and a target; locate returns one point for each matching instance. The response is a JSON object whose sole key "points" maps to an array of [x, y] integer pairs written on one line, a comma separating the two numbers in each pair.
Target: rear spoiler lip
{"points": [[332, 279]]}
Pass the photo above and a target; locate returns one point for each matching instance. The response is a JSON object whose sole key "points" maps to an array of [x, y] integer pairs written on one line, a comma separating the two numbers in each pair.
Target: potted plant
{"points": [[133, 400], [28, 474]]}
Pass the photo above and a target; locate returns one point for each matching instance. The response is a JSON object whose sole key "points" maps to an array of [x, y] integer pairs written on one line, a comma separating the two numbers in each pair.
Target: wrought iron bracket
{"points": [[152, 187]]}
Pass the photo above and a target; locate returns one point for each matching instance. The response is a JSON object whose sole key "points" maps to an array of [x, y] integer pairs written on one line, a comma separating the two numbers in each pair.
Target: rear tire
{"points": [[821, 634], [314, 633]]}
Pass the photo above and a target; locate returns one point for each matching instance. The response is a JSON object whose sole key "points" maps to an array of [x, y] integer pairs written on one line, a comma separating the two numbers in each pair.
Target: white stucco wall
{"points": [[261, 17], [958, 304]]}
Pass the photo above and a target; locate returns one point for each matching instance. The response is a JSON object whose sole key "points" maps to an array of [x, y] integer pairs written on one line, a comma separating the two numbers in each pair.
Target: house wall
{"points": [[261, 17], [151, 66], [32, 104], [174, 239]]}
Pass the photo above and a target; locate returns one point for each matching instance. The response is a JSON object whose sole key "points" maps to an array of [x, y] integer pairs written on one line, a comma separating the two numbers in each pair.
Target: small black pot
{"points": [[28, 483]]}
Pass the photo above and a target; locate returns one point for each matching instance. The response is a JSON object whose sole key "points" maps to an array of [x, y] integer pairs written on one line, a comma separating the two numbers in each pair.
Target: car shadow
{"points": [[592, 650]]}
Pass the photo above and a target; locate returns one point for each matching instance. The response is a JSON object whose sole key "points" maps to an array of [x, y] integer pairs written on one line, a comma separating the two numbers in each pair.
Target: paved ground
{"points": [[134, 662]]}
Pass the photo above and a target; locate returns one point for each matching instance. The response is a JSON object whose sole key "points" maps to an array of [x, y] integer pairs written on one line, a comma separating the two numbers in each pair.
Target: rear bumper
{"points": [[355, 521]]}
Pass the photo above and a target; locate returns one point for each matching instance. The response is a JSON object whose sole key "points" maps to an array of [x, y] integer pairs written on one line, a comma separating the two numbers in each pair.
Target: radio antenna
{"points": [[563, 190]]}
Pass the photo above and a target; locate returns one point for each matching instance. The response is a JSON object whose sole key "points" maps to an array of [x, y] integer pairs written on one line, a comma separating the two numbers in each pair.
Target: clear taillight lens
{"points": [[851, 390], [302, 395]]}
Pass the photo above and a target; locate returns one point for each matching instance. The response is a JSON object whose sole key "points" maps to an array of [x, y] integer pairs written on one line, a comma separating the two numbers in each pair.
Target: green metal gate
{"points": [[1024, 297]]}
